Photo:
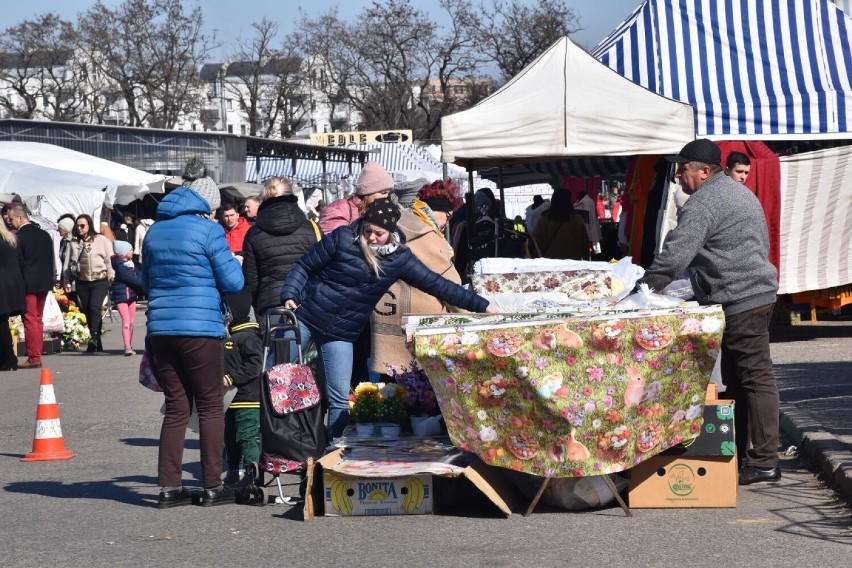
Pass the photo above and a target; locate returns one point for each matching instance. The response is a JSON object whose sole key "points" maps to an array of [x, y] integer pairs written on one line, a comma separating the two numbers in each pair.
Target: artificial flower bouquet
{"points": [[420, 397], [378, 402]]}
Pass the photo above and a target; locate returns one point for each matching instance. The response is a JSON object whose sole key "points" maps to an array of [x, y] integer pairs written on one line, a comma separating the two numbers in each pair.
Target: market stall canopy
{"points": [[753, 70], [565, 104], [53, 180]]}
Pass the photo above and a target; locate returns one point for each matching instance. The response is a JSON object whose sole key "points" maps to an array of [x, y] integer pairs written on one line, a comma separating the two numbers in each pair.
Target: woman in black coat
{"points": [[12, 295], [280, 236]]}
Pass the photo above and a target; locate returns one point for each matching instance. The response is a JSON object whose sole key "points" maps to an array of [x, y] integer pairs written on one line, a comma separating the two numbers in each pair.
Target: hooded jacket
{"points": [[127, 283], [280, 236], [339, 212], [188, 265], [336, 290], [243, 353]]}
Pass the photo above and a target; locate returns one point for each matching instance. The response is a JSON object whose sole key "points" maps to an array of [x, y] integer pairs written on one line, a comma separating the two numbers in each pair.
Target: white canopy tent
{"points": [[52, 180], [565, 104]]}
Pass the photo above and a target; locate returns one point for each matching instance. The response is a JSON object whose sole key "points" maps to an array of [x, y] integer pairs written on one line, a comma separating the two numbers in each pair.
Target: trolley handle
{"points": [[288, 316]]}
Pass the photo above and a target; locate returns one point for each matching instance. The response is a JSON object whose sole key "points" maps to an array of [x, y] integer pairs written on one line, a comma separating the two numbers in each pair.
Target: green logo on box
{"points": [[681, 480], [729, 448], [724, 412]]}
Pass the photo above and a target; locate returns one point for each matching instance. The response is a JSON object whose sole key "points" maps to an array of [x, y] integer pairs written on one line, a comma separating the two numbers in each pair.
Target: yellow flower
{"points": [[364, 389]]}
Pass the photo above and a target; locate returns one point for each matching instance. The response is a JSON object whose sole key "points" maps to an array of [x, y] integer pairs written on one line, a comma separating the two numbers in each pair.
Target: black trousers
{"points": [[747, 375], [91, 296]]}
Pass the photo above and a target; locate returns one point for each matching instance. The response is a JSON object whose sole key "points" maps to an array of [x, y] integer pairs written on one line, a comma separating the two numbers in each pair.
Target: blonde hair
{"points": [[370, 256], [276, 187], [7, 235]]}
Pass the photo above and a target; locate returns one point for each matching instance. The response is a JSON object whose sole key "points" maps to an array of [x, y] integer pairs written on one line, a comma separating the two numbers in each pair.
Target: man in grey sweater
{"points": [[722, 239]]}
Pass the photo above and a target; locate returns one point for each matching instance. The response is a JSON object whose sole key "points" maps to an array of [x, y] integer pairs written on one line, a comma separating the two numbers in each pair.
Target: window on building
{"points": [[243, 132], [230, 129], [230, 104]]}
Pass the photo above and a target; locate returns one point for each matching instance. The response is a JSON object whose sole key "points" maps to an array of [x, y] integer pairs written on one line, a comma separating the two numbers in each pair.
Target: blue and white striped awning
{"points": [[404, 162], [754, 69]]}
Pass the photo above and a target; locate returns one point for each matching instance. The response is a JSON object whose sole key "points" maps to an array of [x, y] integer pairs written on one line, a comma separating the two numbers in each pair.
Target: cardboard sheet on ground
{"points": [[570, 397]]}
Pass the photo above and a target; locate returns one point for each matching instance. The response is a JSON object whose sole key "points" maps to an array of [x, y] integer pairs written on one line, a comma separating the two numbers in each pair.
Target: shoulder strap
{"points": [[317, 231]]}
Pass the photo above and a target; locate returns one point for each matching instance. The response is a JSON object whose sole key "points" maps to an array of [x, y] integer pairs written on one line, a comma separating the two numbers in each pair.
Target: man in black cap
{"points": [[722, 239]]}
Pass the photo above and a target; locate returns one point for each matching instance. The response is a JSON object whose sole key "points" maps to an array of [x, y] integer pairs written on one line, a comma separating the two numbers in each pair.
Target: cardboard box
{"points": [[717, 433], [348, 496], [664, 482], [699, 473], [488, 480]]}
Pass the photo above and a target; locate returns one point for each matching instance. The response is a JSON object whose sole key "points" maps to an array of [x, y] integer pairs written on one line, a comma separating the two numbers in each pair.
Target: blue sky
{"points": [[231, 17]]}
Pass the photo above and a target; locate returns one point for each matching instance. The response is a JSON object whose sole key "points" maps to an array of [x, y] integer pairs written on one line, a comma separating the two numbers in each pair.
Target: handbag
{"points": [[74, 266], [148, 371]]}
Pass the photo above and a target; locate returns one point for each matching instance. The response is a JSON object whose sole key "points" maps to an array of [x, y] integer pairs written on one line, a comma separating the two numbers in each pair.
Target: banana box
{"points": [[349, 496]]}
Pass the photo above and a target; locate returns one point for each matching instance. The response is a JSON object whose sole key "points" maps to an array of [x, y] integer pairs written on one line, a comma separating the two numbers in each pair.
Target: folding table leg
{"points": [[538, 494], [617, 496]]}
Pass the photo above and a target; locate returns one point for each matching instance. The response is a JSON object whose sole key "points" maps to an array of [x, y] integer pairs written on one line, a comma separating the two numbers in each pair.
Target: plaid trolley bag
{"points": [[291, 418]]}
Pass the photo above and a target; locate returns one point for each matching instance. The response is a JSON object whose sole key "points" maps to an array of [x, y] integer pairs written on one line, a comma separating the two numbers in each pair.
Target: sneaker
{"points": [[221, 495], [129, 352]]}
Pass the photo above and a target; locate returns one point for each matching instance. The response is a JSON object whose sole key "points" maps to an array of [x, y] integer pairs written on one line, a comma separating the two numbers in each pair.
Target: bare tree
{"points": [[513, 33], [266, 82], [404, 73], [37, 65], [152, 50]]}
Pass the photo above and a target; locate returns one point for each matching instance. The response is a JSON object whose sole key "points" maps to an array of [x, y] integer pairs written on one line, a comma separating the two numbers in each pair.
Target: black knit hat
{"points": [[382, 212]]}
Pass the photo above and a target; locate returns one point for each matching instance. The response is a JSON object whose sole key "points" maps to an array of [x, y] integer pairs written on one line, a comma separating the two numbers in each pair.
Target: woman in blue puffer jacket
{"points": [[336, 285], [188, 267]]}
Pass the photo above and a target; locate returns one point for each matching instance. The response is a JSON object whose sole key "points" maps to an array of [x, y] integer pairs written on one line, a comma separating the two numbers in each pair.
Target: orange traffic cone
{"points": [[48, 444]]}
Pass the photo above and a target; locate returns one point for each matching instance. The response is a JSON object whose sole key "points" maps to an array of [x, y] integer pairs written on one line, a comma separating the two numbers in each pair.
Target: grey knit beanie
{"points": [[195, 178]]}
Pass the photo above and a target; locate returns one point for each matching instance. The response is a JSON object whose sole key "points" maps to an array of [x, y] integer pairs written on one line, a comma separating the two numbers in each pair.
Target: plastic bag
{"points": [[52, 315], [644, 299]]}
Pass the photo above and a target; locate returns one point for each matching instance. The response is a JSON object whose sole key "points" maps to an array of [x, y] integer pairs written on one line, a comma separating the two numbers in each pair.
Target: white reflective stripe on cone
{"points": [[46, 429], [46, 395]]}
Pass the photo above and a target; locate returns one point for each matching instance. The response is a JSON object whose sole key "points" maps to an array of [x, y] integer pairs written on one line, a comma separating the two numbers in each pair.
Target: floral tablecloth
{"points": [[571, 397]]}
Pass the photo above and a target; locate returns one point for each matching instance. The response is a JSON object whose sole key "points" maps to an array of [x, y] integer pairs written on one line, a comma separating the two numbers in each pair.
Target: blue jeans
{"points": [[336, 364]]}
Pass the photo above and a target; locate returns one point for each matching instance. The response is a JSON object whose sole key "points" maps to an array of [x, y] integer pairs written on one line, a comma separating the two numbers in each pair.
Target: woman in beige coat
{"points": [[91, 253], [422, 225]]}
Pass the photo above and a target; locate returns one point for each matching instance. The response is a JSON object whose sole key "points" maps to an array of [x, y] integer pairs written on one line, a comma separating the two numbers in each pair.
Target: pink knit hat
{"points": [[373, 179]]}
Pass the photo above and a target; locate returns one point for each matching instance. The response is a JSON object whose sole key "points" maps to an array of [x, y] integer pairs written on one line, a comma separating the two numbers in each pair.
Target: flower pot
{"points": [[424, 426], [391, 430], [364, 429]]}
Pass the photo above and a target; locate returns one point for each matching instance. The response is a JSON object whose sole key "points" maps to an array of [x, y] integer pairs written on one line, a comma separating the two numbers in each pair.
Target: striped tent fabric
{"points": [[753, 69], [403, 161], [816, 221]]}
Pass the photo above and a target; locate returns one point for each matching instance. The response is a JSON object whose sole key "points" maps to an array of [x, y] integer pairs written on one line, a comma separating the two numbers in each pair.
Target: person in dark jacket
{"points": [[37, 268], [243, 363], [12, 295], [280, 236], [126, 287], [560, 231], [335, 286], [187, 268]]}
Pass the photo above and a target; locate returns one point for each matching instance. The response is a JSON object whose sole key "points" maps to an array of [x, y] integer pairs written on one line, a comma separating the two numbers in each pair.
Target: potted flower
{"points": [[421, 404], [379, 406]]}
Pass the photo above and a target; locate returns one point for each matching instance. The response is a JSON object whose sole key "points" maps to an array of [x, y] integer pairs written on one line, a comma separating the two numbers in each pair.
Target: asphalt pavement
{"points": [[99, 508], [813, 368]]}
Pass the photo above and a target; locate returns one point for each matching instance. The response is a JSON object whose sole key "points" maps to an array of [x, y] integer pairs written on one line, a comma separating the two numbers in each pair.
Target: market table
{"points": [[558, 396]]}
